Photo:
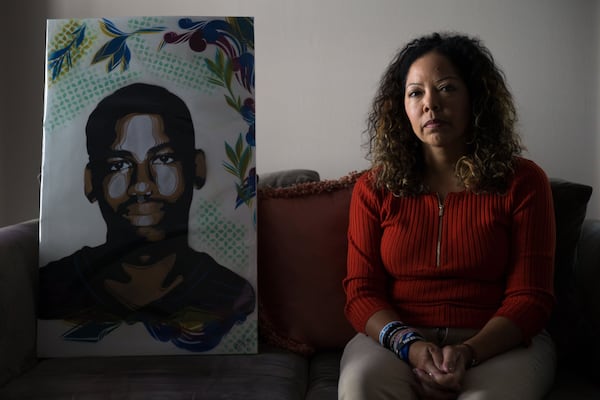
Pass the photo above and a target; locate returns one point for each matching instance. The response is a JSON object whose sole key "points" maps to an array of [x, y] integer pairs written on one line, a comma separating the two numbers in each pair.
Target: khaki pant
{"points": [[370, 372]]}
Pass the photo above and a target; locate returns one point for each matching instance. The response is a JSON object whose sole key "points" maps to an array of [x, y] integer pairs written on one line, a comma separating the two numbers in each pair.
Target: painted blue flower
{"points": [[116, 50], [57, 58]]}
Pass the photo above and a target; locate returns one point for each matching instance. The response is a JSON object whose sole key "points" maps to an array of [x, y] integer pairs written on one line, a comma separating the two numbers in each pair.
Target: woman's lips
{"points": [[434, 123]]}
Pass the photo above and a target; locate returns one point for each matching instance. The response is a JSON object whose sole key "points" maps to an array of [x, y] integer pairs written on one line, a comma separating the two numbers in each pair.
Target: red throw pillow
{"points": [[302, 250]]}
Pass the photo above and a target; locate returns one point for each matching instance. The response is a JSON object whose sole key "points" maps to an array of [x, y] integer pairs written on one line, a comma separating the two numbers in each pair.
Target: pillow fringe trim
{"points": [[310, 188]]}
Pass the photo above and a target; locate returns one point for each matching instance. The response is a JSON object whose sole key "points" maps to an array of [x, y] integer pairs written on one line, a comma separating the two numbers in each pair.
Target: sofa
{"points": [[302, 224]]}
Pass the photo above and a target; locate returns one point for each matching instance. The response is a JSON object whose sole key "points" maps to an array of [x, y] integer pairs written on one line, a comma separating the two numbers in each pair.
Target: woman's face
{"points": [[437, 103]]}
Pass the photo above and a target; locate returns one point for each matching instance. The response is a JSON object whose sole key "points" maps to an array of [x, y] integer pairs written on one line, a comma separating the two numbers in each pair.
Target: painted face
{"points": [[143, 174], [437, 102]]}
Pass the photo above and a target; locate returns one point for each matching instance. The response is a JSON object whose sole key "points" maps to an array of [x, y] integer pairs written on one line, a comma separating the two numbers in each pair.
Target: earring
{"points": [[472, 139]]}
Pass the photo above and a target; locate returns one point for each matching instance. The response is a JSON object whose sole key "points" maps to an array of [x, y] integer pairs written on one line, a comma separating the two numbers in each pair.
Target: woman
{"points": [[451, 238]]}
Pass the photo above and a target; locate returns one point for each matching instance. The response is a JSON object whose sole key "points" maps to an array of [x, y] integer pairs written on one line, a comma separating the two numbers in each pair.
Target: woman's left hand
{"points": [[449, 372]]}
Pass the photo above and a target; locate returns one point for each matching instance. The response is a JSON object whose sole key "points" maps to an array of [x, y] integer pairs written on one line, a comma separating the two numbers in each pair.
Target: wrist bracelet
{"points": [[407, 341], [387, 331], [400, 343], [398, 337], [474, 360]]}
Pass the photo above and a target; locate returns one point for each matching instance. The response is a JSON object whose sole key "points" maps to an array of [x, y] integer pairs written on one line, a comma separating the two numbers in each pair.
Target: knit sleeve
{"points": [[365, 282], [529, 295]]}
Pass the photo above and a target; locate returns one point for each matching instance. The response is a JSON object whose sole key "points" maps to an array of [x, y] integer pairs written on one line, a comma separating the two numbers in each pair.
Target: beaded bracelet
{"points": [[388, 329], [398, 337], [393, 333], [403, 341]]}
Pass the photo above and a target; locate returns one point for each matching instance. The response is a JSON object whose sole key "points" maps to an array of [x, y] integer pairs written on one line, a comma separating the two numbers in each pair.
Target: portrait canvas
{"points": [[148, 199]]}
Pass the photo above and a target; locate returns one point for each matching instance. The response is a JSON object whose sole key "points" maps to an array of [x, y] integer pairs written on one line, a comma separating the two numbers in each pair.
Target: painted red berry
{"points": [[170, 37], [197, 42], [235, 64]]}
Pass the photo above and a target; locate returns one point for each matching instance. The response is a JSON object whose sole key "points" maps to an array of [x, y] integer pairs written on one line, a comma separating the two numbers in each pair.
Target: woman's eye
{"points": [[413, 93], [447, 88]]}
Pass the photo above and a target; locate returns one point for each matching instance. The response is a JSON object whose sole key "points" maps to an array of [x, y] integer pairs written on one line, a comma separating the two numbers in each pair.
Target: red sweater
{"points": [[455, 264]]}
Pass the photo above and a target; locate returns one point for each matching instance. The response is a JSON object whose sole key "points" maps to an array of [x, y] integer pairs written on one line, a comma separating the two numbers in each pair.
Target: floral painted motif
{"points": [[116, 50], [234, 36], [240, 157], [233, 58], [68, 53]]}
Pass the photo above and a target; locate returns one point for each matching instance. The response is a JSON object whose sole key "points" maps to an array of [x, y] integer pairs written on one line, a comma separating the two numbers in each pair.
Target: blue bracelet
{"points": [[386, 332], [403, 342], [403, 353]]}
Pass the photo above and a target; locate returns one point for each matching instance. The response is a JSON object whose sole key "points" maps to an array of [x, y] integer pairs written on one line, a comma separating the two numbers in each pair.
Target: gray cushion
{"points": [[18, 280], [270, 375], [570, 206], [280, 179], [323, 376]]}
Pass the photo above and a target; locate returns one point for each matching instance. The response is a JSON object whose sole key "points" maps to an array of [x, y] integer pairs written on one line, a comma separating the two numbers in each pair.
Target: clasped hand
{"points": [[439, 371]]}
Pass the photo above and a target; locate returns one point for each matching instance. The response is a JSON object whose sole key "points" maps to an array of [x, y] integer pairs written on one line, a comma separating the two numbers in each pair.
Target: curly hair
{"points": [[396, 153]]}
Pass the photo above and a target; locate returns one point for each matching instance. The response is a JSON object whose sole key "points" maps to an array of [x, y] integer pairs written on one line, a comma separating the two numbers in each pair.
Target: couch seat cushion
{"points": [[570, 384], [269, 375], [323, 375]]}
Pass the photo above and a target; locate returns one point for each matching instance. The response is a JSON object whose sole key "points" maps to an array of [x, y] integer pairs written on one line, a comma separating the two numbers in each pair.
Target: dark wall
{"points": [[23, 31]]}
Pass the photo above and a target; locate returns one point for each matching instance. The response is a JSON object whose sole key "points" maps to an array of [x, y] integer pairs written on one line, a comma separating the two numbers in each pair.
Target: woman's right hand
{"points": [[427, 360]]}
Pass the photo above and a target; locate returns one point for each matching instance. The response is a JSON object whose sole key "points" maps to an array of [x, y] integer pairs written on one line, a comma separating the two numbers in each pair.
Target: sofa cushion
{"points": [[288, 177], [323, 375], [18, 280], [302, 249], [587, 271], [570, 205], [583, 350], [272, 374]]}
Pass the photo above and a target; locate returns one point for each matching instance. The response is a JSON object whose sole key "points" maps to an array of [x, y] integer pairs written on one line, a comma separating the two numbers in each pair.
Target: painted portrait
{"points": [[148, 207]]}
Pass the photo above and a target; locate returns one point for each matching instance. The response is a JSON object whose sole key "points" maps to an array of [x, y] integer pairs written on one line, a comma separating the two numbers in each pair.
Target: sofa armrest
{"points": [[587, 288], [18, 288], [587, 267]]}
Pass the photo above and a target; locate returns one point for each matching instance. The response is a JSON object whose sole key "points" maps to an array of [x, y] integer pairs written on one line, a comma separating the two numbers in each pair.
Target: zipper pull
{"points": [[438, 250], [440, 206]]}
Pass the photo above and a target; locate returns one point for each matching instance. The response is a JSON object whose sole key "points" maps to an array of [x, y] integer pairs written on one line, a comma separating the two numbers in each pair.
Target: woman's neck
{"points": [[440, 171]]}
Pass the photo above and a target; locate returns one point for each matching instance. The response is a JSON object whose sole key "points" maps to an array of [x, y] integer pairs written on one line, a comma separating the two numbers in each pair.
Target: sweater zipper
{"points": [[439, 238]]}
